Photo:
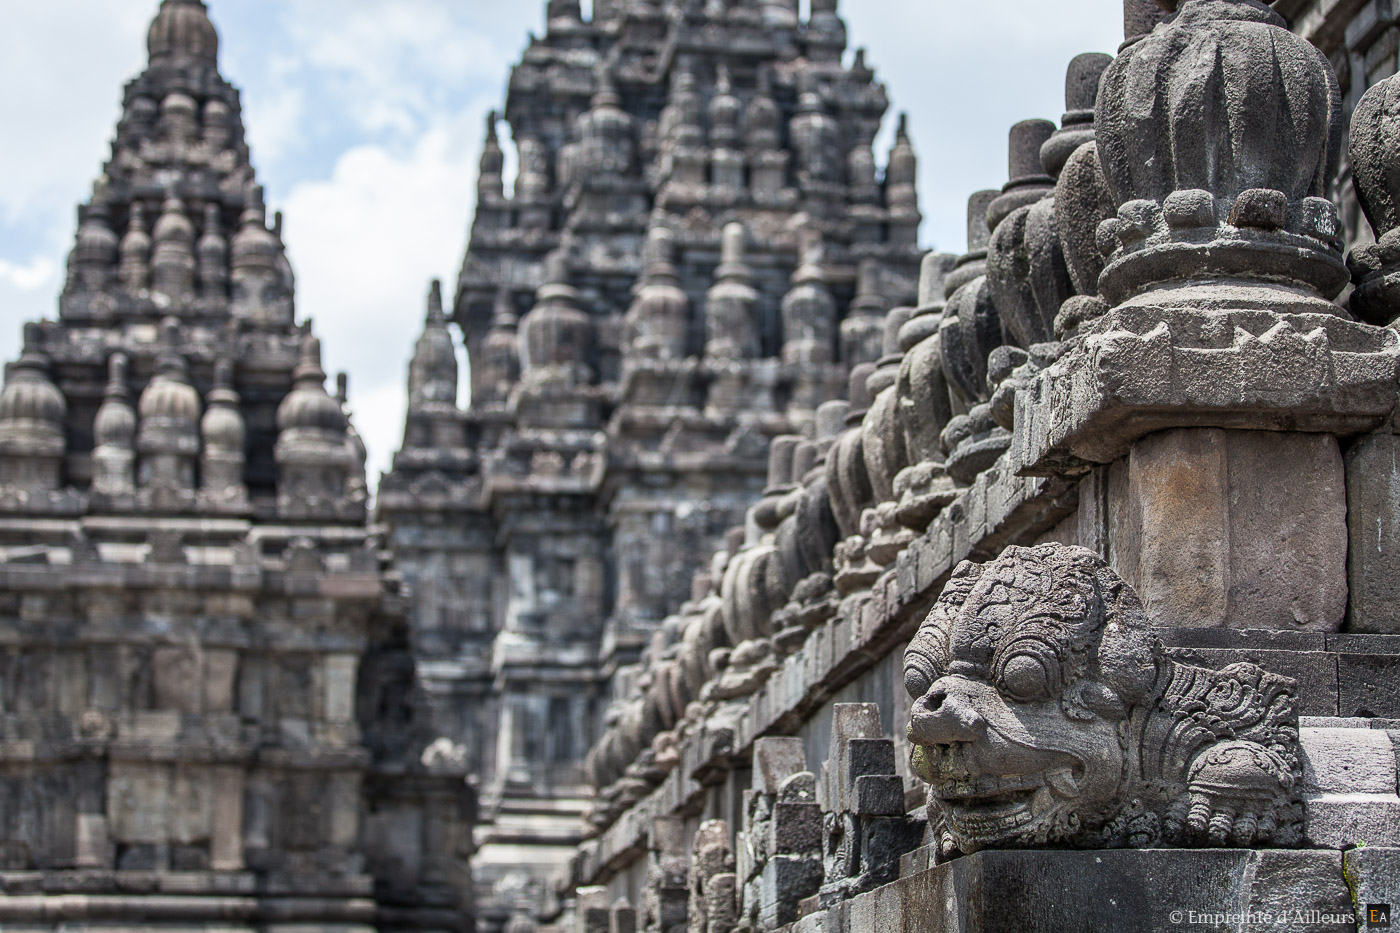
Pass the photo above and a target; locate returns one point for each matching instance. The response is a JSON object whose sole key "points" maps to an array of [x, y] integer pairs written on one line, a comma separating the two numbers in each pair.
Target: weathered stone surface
{"points": [[1350, 787], [1373, 514], [1131, 891], [1136, 373], [1373, 877], [1197, 534], [1369, 683]]}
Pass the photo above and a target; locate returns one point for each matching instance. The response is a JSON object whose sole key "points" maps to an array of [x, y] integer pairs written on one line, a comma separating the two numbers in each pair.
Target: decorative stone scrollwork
{"points": [[1047, 713]]}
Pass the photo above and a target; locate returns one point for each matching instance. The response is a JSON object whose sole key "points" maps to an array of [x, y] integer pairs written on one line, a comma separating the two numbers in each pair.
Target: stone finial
{"points": [[1028, 182], [168, 439], [114, 434], [901, 187], [809, 312], [933, 269], [862, 330], [95, 251], [861, 174], [432, 372], [173, 264], [730, 329], [1374, 152], [826, 32], [258, 269], [135, 251], [659, 319], [533, 181], [682, 120], [491, 174], [496, 363], [763, 119], [314, 463], [604, 133], [973, 263], [725, 110], [815, 136], [1077, 125], [859, 392], [1119, 744], [1140, 17], [179, 121], [217, 125], [1232, 194], [32, 415], [224, 433], [1082, 202], [780, 459], [1027, 273], [563, 13], [556, 337], [182, 34], [804, 459], [212, 251]]}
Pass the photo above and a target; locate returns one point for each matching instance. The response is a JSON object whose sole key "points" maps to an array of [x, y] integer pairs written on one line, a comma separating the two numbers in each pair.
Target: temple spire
{"points": [[432, 376], [490, 180]]}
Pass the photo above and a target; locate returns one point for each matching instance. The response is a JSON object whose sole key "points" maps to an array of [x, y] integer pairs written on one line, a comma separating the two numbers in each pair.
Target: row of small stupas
{"points": [[208, 713], [699, 248], [1098, 555]]}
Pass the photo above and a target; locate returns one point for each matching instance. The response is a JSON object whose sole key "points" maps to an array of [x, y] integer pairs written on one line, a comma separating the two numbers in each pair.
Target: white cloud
{"points": [[365, 244], [395, 68], [37, 274]]}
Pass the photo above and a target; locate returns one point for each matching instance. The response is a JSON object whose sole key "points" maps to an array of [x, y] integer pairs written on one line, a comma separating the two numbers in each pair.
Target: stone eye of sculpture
{"points": [[1047, 713]]}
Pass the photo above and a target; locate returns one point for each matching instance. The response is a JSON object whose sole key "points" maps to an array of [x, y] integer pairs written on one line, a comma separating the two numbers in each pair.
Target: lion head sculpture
{"points": [[1047, 713]]}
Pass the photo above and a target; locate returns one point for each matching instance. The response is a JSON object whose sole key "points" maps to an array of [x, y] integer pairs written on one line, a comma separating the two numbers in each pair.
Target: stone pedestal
{"points": [[1238, 529]]}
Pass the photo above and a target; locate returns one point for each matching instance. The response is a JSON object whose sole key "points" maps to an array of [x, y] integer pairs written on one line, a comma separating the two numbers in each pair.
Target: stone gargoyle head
{"points": [[1047, 713]]}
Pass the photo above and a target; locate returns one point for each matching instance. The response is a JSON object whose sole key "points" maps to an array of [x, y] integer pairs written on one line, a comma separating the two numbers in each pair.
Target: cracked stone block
{"points": [[1201, 535], [1373, 525], [1350, 787]]}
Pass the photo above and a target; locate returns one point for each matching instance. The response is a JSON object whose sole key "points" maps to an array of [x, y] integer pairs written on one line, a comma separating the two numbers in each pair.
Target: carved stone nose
{"points": [[945, 716]]}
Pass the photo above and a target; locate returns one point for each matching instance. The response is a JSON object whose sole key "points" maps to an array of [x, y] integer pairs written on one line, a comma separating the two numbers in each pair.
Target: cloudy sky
{"points": [[365, 121]]}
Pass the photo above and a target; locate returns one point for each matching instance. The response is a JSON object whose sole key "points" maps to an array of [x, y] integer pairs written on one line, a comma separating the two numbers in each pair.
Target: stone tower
{"points": [[208, 707], [698, 248]]}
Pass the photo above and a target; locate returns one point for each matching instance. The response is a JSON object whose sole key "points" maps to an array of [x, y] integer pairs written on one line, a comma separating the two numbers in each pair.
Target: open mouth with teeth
{"points": [[999, 809]]}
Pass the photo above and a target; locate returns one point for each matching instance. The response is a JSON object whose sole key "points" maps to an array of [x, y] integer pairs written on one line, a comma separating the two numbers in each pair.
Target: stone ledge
{"points": [[1250, 370], [1124, 890]]}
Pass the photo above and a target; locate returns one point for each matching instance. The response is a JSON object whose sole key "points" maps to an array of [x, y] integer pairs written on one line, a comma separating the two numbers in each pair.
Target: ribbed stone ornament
{"points": [[1218, 136], [1374, 150]]}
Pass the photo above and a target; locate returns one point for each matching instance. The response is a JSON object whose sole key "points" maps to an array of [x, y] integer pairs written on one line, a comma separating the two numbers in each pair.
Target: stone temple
{"points": [[780, 576], [209, 710]]}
